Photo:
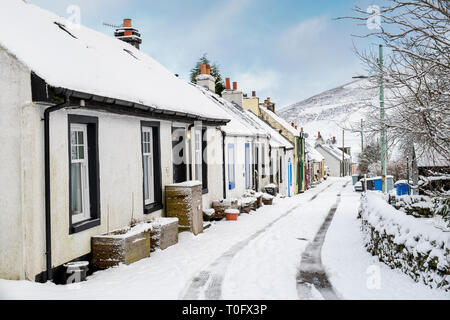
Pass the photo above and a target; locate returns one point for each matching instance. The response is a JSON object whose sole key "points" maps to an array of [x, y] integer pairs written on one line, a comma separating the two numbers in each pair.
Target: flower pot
{"points": [[232, 214], [259, 202], [267, 202], [245, 208]]}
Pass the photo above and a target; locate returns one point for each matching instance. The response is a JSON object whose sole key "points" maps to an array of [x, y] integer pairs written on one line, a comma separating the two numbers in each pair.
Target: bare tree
{"points": [[416, 73]]}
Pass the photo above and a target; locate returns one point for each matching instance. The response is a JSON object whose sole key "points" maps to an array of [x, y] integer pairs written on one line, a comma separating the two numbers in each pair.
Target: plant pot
{"points": [[232, 214], [259, 202], [267, 202], [121, 246]]}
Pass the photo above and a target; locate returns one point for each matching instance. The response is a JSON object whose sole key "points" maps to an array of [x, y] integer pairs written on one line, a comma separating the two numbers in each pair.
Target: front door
{"points": [[179, 154]]}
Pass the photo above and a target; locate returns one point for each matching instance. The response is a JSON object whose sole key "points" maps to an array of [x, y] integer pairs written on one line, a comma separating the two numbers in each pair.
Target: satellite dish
{"points": [[306, 136]]}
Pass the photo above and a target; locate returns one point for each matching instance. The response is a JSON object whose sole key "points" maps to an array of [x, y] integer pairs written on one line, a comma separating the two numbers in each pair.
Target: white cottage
{"points": [[91, 130]]}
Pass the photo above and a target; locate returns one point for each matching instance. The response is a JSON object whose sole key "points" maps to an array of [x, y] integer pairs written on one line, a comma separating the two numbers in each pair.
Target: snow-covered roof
{"points": [[334, 151], [85, 60], [276, 139], [432, 159], [281, 121], [312, 153], [240, 123]]}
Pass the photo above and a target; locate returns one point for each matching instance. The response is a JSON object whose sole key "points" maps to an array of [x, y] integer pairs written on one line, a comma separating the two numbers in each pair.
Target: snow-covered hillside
{"points": [[331, 111]]}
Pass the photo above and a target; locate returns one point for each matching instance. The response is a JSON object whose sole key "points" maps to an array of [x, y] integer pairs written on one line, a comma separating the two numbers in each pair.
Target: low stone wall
{"points": [[412, 245]]}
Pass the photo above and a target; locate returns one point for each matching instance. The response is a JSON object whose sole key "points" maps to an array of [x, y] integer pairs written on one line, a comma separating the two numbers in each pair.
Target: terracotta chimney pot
{"points": [[253, 93], [234, 86], [127, 23], [128, 33], [208, 69], [203, 68], [228, 83]]}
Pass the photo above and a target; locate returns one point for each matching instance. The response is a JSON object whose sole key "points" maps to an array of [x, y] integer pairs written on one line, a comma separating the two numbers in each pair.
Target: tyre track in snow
{"points": [[208, 283], [312, 272]]}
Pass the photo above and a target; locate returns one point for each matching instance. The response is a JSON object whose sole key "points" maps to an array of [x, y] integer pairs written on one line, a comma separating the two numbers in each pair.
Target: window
{"points": [[178, 154], [231, 167], [84, 191], [198, 154], [151, 167], [281, 169], [79, 166]]}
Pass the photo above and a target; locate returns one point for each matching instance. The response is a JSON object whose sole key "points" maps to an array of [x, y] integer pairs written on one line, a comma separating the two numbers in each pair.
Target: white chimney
{"points": [[234, 96], [205, 79]]}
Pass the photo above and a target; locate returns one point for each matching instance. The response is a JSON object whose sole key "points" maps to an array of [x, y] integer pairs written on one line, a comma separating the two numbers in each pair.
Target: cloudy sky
{"points": [[288, 50]]}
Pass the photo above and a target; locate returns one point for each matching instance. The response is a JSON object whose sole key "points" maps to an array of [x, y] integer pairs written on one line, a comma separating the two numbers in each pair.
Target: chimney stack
{"points": [[234, 96], [128, 34], [205, 79]]}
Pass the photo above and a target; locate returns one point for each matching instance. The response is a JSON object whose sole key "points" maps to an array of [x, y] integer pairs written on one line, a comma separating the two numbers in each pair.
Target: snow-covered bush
{"points": [[417, 248]]}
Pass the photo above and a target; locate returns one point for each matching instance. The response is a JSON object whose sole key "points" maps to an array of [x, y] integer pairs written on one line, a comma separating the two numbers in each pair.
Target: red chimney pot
{"points": [[235, 86], [203, 68], [228, 85], [253, 93], [127, 23], [208, 69]]}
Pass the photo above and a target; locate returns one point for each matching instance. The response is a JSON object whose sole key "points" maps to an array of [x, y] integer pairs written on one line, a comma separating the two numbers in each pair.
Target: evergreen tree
{"points": [[215, 72]]}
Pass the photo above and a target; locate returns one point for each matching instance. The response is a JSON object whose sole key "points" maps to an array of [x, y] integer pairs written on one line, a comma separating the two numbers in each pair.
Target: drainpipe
{"points": [[223, 164], [48, 236]]}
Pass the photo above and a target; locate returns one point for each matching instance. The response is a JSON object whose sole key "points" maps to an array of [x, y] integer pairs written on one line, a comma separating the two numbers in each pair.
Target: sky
{"points": [[288, 50]]}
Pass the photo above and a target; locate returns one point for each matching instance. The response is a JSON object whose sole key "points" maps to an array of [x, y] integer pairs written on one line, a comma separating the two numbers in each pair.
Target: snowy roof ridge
{"points": [[87, 61], [334, 151], [275, 136], [281, 121], [240, 122]]}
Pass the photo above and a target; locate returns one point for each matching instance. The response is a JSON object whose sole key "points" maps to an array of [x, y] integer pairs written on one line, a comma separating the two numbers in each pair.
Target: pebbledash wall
{"points": [[22, 236]]}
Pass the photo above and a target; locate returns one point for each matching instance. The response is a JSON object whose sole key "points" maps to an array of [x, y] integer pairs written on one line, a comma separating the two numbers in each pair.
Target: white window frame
{"points": [[85, 196], [148, 158]]}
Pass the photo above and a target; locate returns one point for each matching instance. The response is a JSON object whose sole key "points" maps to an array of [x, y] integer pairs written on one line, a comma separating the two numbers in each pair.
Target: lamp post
{"points": [[383, 131], [407, 175]]}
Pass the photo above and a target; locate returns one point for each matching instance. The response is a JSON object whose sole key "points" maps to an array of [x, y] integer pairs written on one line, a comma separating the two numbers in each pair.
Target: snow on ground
{"points": [[167, 274], [354, 272], [267, 267]]}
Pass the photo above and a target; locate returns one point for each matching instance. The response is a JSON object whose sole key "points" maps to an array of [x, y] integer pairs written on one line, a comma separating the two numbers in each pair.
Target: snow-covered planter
{"points": [[246, 204], [232, 214], [164, 233], [126, 246], [208, 214], [221, 206], [412, 245], [253, 194], [267, 199], [271, 189]]}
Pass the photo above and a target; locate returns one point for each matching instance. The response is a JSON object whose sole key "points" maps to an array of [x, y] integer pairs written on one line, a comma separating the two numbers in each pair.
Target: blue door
{"points": [[290, 179]]}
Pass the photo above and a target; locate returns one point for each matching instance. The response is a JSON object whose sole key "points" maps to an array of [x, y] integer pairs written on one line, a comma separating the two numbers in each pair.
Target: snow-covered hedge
{"points": [[415, 247]]}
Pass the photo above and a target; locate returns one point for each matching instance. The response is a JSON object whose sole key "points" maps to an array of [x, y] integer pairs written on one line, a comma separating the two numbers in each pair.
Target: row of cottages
{"points": [[338, 161], [255, 154], [92, 130], [266, 112]]}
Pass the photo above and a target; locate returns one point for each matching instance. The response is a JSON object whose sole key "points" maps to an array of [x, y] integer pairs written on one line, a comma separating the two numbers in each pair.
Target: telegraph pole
{"points": [[343, 158], [362, 135], [383, 131]]}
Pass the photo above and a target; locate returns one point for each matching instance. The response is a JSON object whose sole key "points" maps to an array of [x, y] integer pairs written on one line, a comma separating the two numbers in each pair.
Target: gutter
{"points": [[48, 236]]}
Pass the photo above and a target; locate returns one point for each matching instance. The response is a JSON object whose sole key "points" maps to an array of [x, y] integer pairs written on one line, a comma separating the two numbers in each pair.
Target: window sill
{"points": [[83, 226], [150, 208]]}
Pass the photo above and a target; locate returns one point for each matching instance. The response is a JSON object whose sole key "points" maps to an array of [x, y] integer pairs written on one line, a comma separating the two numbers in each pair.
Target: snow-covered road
{"points": [[257, 257], [265, 248]]}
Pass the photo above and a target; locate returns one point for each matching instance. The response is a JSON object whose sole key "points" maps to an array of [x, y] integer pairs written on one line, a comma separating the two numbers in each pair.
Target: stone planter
{"points": [[164, 233], [220, 207], [246, 208], [267, 199], [121, 246]]}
